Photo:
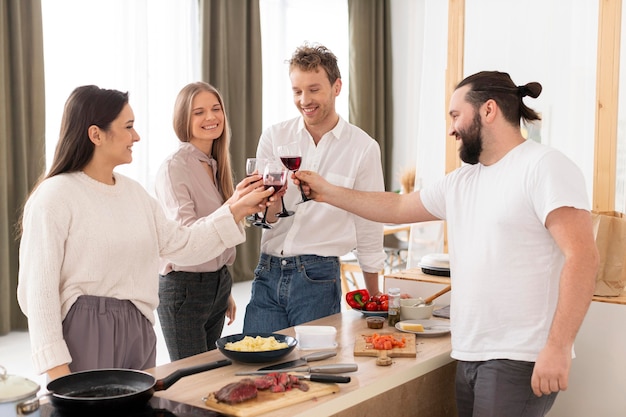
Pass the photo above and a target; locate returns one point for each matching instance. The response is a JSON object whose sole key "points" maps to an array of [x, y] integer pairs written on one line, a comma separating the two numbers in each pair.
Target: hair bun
{"points": [[531, 89]]}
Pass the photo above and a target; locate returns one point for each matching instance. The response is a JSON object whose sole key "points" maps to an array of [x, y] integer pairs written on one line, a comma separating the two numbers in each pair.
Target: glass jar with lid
{"points": [[394, 306]]}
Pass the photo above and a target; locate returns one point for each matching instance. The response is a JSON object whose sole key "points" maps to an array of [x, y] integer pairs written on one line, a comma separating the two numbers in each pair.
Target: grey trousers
{"points": [[498, 388], [103, 332], [192, 308]]}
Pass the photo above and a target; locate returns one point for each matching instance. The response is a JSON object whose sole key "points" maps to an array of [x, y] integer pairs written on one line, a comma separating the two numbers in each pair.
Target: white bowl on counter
{"points": [[316, 337], [408, 312]]}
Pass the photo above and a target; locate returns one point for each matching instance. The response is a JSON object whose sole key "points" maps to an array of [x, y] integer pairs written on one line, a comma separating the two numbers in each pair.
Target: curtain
{"points": [[22, 144], [231, 61], [370, 92]]}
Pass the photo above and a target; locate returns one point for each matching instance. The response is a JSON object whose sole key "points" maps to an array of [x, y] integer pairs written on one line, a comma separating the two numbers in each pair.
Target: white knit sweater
{"points": [[83, 237]]}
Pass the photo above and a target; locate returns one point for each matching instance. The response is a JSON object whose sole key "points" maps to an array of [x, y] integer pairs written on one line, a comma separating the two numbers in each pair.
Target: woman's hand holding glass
{"points": [[249, 198], [255, 167], [274, 177]]}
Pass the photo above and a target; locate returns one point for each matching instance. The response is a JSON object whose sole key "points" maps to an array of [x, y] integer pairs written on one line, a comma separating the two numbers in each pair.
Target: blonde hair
{"points": [[221, 146]]}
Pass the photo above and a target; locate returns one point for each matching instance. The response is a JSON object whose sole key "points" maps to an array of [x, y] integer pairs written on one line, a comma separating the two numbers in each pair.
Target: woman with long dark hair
{"points": [[91, 241]]}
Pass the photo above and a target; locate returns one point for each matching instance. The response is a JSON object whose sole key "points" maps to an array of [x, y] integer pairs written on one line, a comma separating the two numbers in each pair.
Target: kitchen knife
{"points": [[325, 378], [317, 356], [334, 368]]}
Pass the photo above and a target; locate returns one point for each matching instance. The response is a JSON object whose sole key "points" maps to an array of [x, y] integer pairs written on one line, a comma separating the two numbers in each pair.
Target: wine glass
{"points": [[284, 212], [291, 156], [252, 165], [274, 175]]}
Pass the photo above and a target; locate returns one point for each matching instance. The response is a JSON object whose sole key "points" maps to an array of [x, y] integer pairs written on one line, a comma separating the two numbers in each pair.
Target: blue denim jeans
{"points": [[292, 290], [498, 388]]}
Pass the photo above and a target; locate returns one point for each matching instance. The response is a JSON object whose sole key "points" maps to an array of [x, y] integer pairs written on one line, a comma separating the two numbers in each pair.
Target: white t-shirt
{"points": [[345, 156], [505, 266]]}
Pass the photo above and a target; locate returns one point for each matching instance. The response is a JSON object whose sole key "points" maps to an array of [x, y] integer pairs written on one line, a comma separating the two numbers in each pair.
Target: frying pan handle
{"points": [[172, 378]]}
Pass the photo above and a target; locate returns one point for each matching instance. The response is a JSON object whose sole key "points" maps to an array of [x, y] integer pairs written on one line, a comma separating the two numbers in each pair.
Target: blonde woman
{"points": [[194, 182]]}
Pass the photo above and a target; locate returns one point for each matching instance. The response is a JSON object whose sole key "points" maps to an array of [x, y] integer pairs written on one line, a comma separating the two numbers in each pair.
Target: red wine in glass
{"points": [[292, 163], [275, 176], [291, 156]]}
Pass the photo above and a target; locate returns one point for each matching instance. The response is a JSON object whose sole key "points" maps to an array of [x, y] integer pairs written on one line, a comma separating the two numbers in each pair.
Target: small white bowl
{"points": [[408, 312], [316, 337]]}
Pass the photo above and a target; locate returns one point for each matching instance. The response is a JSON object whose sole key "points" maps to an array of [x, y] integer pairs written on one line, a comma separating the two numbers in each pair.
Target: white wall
{"points": [[419, 36], [597, 385]]}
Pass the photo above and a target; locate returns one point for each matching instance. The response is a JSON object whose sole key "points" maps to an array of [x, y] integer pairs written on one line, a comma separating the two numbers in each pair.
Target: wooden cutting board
{"points": [[267, 401], [408, 351]]}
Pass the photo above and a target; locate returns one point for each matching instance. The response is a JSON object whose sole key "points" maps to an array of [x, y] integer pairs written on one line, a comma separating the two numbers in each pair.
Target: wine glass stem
{"points": [[304, 197], [265, 216]]}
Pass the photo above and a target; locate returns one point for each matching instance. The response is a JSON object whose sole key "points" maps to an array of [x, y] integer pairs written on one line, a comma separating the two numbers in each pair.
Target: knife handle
{"points": [[335, 368], [318, 356], [329, 378]]}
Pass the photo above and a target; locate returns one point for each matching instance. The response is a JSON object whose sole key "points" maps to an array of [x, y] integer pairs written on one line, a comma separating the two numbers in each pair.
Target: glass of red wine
{"points": [[291, 156], [274, 175]]}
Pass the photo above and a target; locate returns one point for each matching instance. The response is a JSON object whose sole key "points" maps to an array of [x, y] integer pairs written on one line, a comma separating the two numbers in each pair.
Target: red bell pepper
{"points": [[357, 298]]}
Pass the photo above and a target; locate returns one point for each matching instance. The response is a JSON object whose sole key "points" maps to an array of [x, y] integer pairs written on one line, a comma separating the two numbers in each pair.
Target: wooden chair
{"points": [[397, 250], [348, 266]]}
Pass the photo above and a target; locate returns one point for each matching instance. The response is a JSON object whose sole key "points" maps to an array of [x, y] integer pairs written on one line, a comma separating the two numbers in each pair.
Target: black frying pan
{"points": [[109, 390]]}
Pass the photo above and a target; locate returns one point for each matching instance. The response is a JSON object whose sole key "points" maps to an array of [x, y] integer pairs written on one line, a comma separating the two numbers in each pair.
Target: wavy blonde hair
{"points": [[221, 146]]}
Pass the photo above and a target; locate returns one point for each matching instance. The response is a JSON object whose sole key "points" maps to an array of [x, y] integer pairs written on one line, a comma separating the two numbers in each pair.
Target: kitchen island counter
{"points": [[423, 385]]}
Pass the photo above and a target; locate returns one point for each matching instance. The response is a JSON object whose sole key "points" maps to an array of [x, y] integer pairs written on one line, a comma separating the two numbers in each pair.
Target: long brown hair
{"points": [[86, 106], [221, 146]]}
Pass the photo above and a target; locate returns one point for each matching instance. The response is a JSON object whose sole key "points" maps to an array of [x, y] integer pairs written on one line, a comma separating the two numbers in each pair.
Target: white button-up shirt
{"points": [[345, 156]]}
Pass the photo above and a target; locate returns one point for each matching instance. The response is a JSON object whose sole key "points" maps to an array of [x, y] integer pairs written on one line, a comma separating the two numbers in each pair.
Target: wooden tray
{"points": [[267, 401], [408, 351]]}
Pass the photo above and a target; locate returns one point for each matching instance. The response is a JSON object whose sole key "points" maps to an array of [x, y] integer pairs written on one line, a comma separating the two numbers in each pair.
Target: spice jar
{"points": [[394, 306], [375, 322]]}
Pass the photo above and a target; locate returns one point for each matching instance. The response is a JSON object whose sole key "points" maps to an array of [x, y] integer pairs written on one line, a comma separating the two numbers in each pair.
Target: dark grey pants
{"points": [[192, 307], [103, 332], [498, 388]]}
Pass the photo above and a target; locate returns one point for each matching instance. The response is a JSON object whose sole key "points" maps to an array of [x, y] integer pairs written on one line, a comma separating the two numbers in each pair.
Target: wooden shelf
{"points": [[416, 274]]}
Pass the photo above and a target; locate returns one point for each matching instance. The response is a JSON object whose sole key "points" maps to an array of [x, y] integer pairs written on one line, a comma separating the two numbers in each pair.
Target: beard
{"points": [[471, 141]]}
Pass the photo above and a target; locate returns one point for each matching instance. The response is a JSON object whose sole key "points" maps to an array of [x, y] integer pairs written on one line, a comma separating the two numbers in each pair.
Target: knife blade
{"points": [[302, 361], [334, 368], [341, 379]]}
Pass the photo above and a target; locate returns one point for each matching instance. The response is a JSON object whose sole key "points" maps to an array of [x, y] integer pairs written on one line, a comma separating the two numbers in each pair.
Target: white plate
{"points": [[374, 313], [437, 327]]}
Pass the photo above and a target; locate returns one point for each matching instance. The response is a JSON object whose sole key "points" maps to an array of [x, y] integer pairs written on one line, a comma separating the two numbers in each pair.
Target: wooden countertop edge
{"points": [[354, 398]]}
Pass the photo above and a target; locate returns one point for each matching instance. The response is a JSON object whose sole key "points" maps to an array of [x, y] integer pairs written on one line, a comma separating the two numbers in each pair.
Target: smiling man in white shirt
{"points": [[298, 279]]}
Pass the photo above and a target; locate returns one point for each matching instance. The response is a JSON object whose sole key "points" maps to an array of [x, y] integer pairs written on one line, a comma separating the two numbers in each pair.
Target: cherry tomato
{"points": [[371, 306], [375, 298], [384, 305], [383, 297]]}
